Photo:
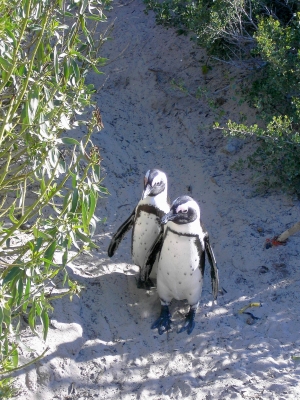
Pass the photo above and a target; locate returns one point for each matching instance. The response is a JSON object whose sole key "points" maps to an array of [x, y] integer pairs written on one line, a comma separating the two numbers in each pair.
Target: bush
{"points": [[275, 93], [266, 34], [223, 27], [49, 181]]}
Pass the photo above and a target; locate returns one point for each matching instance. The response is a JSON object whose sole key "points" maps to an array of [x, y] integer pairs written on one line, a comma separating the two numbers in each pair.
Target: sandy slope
{"points": [[101, 345]]}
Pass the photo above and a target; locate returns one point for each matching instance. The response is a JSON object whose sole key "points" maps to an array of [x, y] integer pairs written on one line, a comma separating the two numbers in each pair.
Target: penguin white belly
{"points": [[179, 275], [146, 230]]}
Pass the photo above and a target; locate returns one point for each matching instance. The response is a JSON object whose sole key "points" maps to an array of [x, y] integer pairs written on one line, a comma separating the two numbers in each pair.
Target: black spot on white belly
{"points": [[184, 273]]}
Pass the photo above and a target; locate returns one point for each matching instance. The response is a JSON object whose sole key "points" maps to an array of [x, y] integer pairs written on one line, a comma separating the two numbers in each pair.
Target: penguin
{"points": [[145, 221], [181, 248]]}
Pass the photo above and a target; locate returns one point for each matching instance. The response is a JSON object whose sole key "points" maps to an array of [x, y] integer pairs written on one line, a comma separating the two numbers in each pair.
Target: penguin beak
{"points": [[168, 217], [146, 191]]}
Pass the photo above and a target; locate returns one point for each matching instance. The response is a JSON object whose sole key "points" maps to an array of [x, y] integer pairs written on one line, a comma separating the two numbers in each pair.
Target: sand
{"points": [[101, 345]]}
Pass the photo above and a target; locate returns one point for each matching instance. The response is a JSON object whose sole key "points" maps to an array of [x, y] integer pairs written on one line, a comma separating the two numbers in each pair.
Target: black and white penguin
{"points": [[146, 223], [181, 247]]}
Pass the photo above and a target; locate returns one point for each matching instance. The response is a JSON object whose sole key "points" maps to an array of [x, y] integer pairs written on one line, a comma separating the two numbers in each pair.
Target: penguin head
{"points": [[155, 182], [184, 210]]}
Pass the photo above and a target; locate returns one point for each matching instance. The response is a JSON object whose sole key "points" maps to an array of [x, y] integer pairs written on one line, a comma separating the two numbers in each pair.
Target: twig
{"points": [[291, 231], [26, 365]]}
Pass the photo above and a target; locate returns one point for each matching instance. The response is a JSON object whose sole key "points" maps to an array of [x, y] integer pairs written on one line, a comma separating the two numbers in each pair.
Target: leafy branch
{"points": [[49, 181]]}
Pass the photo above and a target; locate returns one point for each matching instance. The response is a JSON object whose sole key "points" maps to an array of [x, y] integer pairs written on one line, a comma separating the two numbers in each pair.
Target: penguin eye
{"points": [[158, 183]]}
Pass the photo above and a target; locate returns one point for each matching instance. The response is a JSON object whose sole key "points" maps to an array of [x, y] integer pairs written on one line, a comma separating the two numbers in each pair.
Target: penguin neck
{"points": [[159, 201], [192, 228]]}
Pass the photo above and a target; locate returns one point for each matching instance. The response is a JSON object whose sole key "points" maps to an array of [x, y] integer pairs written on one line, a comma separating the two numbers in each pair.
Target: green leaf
{"points": [[65, 278], [39, 242], [65, 257], [20, 291], [95, 69], [53, 156], [92, 205], [85, 239], [103, 190], [84, 4], [32, 317], [74, 200], [72, 34], [33, 102], [83, 236], [4, 64], [73, 238], [67, 69], [24, 113], [66, 203], [84, 217], [41, 53], [96, 170], [76, 71], [7, 316], [45, 322], [38, 308], [40, 234], [15, 271], [55, 61], [82, 22], [95, 18], [69, 140], [12, 36], [50, 251], [27, 294], [11, 214], [43, 185], [15, 357], [1, 315]]}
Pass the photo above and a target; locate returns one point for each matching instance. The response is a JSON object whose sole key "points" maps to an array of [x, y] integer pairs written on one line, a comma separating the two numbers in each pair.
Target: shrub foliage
{"points": [[49, 181], [265, 35]]}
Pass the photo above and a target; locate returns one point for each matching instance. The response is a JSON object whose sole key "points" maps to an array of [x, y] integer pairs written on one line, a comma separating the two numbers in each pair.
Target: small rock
{"points": [[233, 146], [263, 269]]}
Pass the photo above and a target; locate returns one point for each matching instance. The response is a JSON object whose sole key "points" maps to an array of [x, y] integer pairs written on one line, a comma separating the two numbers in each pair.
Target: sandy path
{"points": [[101, 345]]}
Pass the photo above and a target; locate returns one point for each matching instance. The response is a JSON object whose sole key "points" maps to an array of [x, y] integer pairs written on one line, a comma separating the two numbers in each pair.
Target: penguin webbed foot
{"points": [[163, 323], [189, 323], [147, 284]]}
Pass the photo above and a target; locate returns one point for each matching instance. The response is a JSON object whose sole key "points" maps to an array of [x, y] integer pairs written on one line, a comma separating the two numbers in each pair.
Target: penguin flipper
{"points": [[150, 260], [118, 236], [214, 274]]}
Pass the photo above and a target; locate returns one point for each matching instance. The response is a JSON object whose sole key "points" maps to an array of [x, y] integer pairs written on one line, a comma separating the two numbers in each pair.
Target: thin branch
{"points": [[8, 373]]}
